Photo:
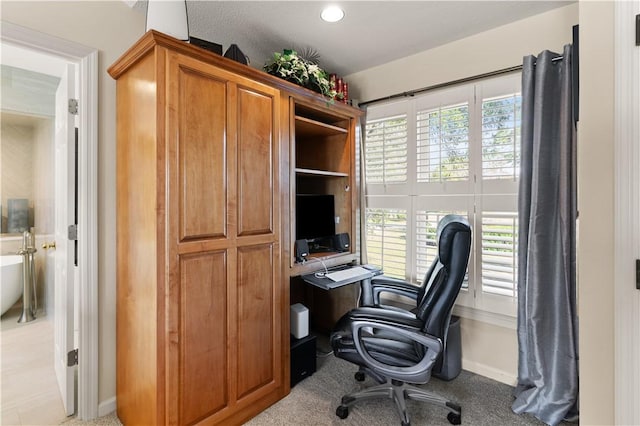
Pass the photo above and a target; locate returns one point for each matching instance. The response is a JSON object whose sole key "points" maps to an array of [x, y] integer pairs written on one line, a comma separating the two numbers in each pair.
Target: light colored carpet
{"points": [[314, 400]]}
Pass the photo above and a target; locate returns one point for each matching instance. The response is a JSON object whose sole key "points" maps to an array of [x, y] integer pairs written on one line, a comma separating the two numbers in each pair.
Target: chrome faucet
{"points": [[28, 277], [28, 244]]}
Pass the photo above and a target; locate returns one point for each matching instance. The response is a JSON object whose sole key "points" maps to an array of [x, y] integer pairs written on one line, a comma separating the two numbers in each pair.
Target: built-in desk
{"points": [[319, 279], [328, 300]]}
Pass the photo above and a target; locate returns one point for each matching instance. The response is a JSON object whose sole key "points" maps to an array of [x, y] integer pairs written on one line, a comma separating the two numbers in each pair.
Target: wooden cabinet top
{"points": [[153, 39]]}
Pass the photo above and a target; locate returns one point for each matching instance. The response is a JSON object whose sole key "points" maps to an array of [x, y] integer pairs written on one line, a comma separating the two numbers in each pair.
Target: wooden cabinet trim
{"points": [[154, 38]]}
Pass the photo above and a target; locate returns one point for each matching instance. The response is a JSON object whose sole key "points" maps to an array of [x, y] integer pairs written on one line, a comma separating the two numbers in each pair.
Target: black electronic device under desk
{"points": [[303, 358]]}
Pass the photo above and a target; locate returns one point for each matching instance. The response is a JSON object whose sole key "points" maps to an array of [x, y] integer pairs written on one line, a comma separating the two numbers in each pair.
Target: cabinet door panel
{"points": [[256, 135], [256, 286], [203, 335], [202, 153]]}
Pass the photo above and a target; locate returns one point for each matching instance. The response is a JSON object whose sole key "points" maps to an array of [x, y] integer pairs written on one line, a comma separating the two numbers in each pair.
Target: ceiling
{"points": [[371, 33]]}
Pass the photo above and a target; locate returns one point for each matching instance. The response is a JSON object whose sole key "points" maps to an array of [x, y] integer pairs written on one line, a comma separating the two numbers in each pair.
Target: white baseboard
{"points": [[490, 372], [107, 407]]}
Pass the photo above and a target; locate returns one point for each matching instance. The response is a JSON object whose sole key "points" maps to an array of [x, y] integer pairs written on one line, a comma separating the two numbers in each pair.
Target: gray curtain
{"points": [[547, 323]]}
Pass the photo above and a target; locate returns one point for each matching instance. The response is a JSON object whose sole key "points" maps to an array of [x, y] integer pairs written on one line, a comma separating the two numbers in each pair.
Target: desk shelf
{"points": [[306, 127], [319, 173]]}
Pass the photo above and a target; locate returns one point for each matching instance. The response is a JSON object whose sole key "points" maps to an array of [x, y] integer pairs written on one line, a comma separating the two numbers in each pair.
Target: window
{"points": [[443, 144], [386, 235], [499, 253], [448, 151], [386, 150], [501, 137]]}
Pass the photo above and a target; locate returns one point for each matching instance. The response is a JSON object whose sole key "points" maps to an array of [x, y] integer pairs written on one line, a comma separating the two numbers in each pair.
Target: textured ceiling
{"points": [[371, 33]]}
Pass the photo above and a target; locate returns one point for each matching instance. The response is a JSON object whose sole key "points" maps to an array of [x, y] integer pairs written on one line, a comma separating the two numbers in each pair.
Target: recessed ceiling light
{"points": [[332, 14]]}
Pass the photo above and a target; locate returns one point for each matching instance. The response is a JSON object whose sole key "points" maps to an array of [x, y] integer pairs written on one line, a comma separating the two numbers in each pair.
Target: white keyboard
{"points": [[348, 273]]}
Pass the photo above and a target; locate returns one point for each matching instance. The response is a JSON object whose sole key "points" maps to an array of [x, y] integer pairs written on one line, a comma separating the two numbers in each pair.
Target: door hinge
{"points": [[638, 274], [73, 232], [72, 358], [638, 30], [73, 106]]}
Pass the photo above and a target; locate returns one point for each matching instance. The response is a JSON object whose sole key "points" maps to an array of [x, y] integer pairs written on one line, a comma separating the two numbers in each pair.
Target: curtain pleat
{"points": [[547, 322]]}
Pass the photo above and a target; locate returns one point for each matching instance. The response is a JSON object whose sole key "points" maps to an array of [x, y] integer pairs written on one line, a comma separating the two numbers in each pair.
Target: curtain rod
{"points": [[450, 83]]}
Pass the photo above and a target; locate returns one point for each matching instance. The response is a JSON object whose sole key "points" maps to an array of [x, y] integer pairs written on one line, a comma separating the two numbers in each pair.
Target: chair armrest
{"points": [[382, 284], [402, 317], [403, 325]]}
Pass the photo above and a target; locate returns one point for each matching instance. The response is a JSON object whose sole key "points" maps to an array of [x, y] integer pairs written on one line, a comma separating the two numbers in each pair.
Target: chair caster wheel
{"points": [[454, 419], [359, 376], [342, 411], [405, 424]]}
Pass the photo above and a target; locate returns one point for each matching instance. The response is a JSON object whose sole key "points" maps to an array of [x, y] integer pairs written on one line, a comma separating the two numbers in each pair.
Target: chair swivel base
{"points": [[400, 392]]}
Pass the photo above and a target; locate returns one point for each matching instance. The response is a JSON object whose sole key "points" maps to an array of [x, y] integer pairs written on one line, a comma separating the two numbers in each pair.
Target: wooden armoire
{"points": [[204, 240]]}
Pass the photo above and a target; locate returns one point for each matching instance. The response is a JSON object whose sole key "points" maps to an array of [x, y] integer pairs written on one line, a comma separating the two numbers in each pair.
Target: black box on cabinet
{"points": [[303, 358], [234, 52], [208, 45]]}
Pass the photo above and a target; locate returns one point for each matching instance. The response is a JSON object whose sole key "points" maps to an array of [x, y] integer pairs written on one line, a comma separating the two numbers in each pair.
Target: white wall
{"points": [[491, 50], [596, 209], [27, 145], [111, 27], [495, 49], [490, 350], [17, 161], [43, 176], [43, 205]]}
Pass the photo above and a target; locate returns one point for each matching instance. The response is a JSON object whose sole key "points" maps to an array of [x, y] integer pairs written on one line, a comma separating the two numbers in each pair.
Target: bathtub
{"points": [[11, 274]]}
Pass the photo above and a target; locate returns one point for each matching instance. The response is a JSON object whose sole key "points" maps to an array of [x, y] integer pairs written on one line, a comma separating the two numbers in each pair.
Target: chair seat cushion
{"points": [[383, 346]]}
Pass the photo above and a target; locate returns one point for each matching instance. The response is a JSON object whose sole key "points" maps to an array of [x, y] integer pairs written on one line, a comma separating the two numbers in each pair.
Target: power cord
{"points": [[319, 274]]}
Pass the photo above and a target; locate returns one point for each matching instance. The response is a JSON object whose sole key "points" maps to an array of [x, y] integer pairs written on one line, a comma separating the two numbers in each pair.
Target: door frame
{"points": [[627, 214], [87, 60]]}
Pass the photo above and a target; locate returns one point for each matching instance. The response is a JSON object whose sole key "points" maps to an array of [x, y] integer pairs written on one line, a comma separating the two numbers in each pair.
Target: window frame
{"points": [[475, 195]]}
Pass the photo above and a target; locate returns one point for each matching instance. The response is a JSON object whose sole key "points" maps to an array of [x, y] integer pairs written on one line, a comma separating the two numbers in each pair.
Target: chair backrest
{"points": [[445, 276]]}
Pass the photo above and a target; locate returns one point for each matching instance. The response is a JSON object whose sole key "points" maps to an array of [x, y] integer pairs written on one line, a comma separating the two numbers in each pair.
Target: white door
{"points": [[627, 218], [64, 261], [636, 239]]}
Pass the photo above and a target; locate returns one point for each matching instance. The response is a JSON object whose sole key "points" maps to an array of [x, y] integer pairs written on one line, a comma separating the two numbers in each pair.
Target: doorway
{"points": [[34, 191], [85, 61]]}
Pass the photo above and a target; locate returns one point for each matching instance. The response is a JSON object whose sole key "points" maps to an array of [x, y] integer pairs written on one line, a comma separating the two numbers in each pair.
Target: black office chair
{"points": [[398, 348], [383, 284]]}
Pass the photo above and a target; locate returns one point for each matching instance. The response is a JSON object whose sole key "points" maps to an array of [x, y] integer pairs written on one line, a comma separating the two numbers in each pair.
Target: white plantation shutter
{"points": [[443, 144], [386, 150], [386, 240], [501, 137], [499, 253], [455, 150]]}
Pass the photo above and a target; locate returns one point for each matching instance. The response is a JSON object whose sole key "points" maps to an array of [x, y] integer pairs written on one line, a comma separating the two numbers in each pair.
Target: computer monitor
{"points": [[315, 216]]}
